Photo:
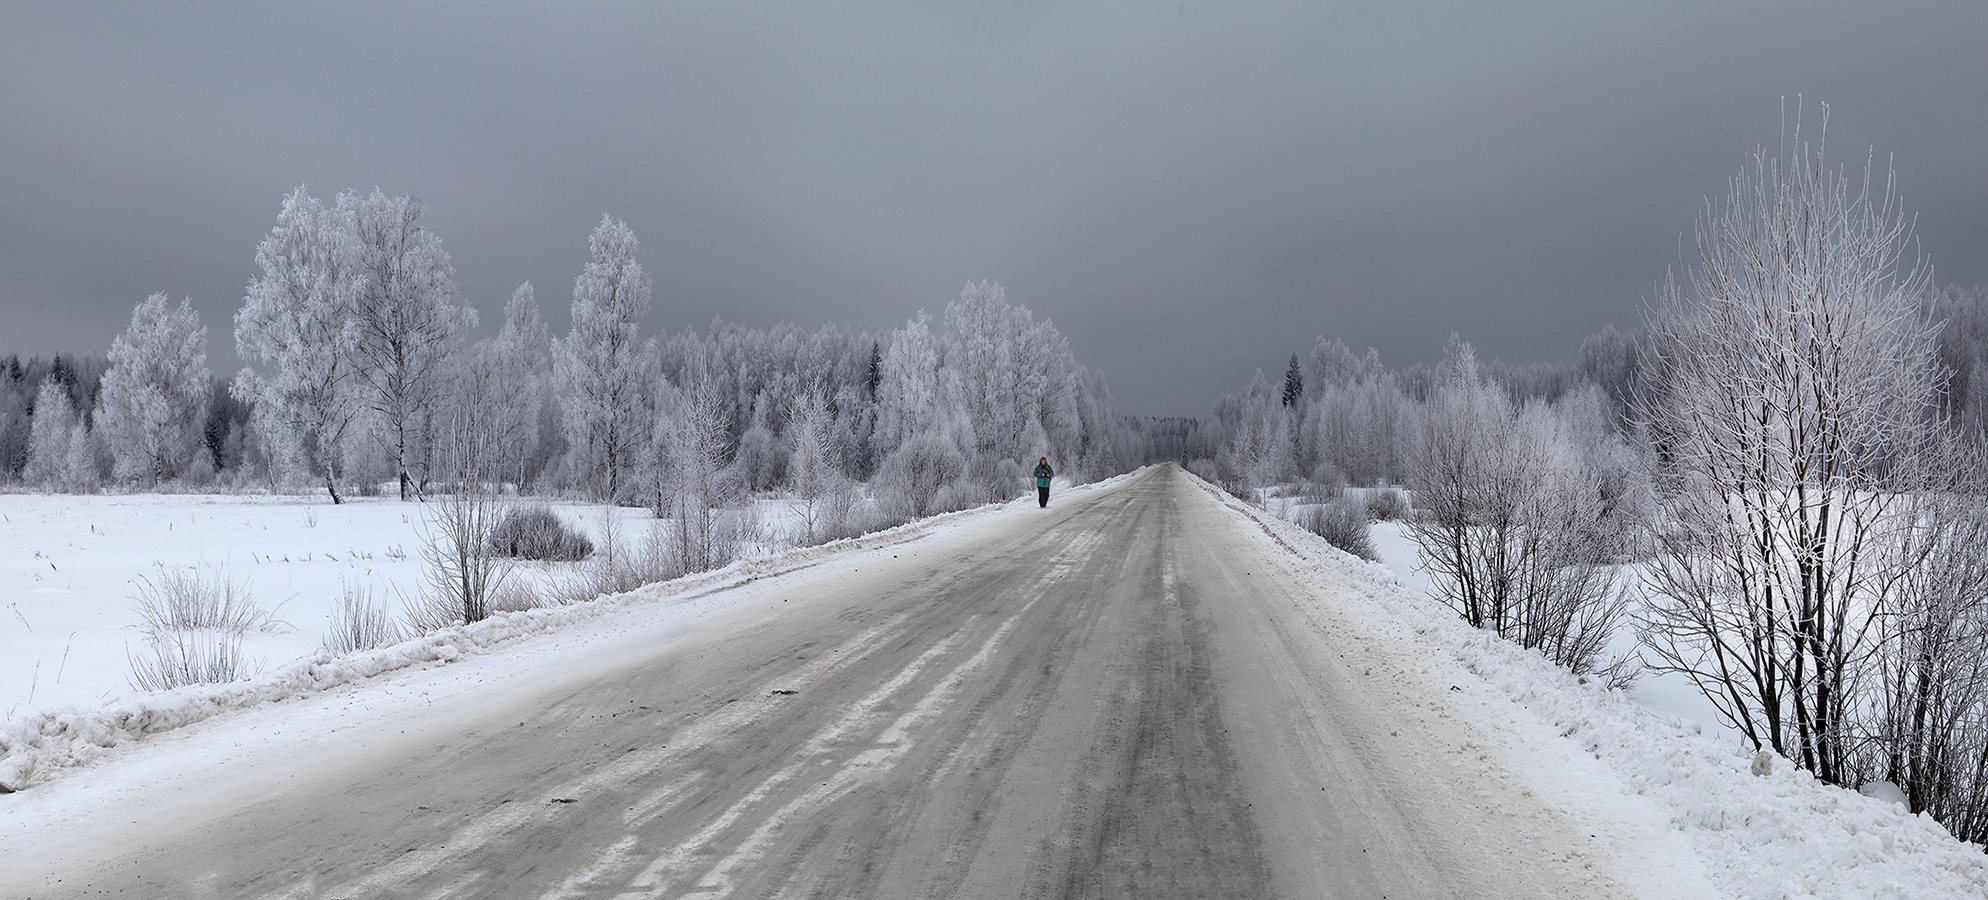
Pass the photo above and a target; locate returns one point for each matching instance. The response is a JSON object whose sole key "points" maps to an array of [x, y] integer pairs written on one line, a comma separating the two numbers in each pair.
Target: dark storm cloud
{"points": [[1190, 192]]}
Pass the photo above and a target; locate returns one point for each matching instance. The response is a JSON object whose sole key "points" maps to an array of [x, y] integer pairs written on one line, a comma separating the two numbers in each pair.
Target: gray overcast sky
{"points": [[1191, 192]]}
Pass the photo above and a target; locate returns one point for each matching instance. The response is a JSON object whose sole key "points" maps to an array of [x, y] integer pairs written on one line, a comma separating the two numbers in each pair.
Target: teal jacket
{"points": [[1042, 475]]}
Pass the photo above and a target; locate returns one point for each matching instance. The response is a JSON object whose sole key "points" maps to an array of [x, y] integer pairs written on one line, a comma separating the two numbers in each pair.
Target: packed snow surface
{"points": [[1677, 804]]}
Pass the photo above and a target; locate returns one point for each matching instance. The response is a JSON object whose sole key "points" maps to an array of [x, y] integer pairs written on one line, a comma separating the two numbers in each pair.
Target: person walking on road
{"points": [[1042, 475]]}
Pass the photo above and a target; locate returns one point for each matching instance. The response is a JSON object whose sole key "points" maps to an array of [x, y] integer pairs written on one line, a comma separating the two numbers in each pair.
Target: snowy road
{"points": [[1119, 696]]}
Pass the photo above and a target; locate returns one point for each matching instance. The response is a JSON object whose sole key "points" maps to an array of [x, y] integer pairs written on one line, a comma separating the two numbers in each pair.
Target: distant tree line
{"points": [[361, 368]]}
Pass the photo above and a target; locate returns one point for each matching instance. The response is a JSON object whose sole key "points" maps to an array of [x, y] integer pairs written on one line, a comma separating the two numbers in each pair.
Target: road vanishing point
{"points": [[1133, 693]]}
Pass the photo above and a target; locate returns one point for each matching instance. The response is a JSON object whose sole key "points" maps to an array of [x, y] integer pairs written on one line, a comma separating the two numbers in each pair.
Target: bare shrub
{"points": [[536, 532], [1343, 524], [618, 567], [514, 596], [1387, 504], [462, 572], [180, 658], [359, 622]]}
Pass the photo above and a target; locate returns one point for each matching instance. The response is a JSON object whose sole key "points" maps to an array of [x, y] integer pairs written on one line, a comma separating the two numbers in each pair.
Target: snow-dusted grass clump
{"points": [[360, 622], [1650, 778], [194, 624]]}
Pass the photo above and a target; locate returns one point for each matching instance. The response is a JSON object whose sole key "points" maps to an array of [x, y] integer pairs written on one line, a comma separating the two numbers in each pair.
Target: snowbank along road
{"points": [[1129, 694]]}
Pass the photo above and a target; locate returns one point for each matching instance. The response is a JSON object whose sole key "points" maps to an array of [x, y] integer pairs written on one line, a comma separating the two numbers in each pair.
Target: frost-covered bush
{"points": [[1343, 524], [1217, 472], [194, 625], [514, 596], [359, 622], [620, 567], [1388, 505], [536, 532], [1324, 486], [187, 600], [909, 484]]}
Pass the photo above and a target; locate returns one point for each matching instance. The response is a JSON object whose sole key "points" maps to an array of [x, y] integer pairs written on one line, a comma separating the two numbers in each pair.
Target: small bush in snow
{"points": [[514, 596], [536, 532], [360, 622], [180, 658], [1324, 486], [1388, 505], [194, 625], [186, 600], [1343, 524]]}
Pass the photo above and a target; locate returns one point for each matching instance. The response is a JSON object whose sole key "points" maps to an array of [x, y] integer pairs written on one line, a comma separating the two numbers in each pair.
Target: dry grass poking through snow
{"points": [[194, 623]]}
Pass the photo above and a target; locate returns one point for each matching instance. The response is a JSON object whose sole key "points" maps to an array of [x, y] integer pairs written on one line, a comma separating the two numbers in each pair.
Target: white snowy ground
{"points": [[1663, 693], [69, 566], [1679, 807]]}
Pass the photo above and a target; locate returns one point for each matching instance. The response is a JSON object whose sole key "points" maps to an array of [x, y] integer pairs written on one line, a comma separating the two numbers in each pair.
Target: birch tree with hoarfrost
{"points": [[1800, 389], [409, 321], [156, 392], [53, 435], [814, 473], [600, 365], [297, 323], [503, 385]]}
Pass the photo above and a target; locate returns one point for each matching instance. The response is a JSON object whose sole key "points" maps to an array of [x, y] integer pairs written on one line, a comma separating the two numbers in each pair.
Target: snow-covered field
{"points": [[1676, 800], [70, 566]]}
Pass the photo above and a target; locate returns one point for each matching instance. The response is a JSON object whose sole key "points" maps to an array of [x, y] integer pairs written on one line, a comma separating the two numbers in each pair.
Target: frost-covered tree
{"points": [[156, 392], [15, 427], [1510, 529], [409, 321], [1255, 452], [760, 459], [505, 382], [907, 393], [297, 321], [600, 365], [51, 434], [1799, 387], [695, 479], [814, 471], [1004, 372]]}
